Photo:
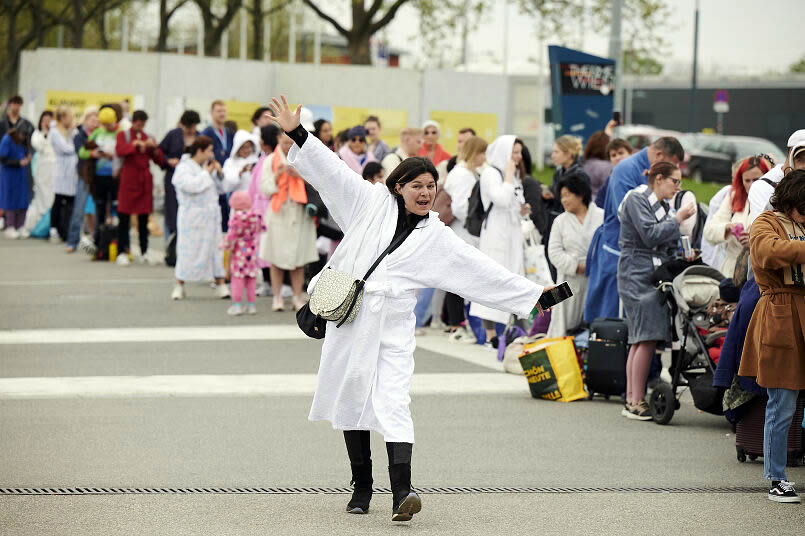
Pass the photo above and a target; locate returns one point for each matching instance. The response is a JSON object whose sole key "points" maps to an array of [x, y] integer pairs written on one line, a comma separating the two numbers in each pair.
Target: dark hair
{"points": [[343, 136], [317, 124], [269, 135], [521, 167], [619, 143], [231, 125], [16, 136], [467, 129], [199, 144], [16, 99], [258, 112], [375, 119], [597, 146], [789, 194], [371, 169], [190, 118], [578, 185], [528, 164], [670, 146], [408, 170], [666, 169], [139, 115], [44, 114]]}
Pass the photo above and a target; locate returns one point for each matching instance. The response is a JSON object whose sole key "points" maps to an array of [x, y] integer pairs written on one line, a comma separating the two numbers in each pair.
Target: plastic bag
{"points": [[552, 369]]}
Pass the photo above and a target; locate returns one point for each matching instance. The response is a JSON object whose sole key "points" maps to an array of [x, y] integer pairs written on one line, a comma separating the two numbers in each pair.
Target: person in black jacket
{"points": [[173, 146], [532, 191]]}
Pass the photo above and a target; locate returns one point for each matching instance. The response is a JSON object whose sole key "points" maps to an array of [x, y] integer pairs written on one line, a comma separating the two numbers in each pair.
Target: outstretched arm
{"points": [[343, 191]]}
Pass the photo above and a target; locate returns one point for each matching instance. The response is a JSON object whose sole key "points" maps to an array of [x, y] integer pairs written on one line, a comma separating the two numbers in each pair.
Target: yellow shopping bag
{"points": [[552, 369]]}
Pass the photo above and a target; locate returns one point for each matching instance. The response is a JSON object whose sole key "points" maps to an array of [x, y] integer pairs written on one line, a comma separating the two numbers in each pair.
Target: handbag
{"points": [[337, 296], [741, 272]]}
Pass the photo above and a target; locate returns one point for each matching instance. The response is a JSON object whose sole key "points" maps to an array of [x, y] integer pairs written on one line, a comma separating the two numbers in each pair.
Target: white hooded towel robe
{"points": [[366, 366]]}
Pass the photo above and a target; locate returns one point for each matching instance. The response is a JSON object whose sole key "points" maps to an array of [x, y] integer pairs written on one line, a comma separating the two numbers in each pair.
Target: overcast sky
{"points": [[735, 36]]}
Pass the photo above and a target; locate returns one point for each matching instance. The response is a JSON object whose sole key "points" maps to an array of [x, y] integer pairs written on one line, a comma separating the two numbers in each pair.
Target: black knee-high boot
{"points": [[406, 501], [360, 460]]}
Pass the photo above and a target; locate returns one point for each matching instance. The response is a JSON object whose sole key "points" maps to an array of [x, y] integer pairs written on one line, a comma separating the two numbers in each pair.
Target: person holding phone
{"points": [[730, 224], [649, 237], [242, 158], [366, 366]]}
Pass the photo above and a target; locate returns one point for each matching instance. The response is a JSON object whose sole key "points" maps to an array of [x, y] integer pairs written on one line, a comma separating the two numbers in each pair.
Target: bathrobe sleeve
{"points": [[343, 191], [61, 146], [495, 190], [652, 232], [457, 267], [716, 226], [192, 183], [231, 170]]}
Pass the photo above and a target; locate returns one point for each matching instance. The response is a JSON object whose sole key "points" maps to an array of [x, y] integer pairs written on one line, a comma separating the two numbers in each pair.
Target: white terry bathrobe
{"points": [[366, 366], [501, 233]]}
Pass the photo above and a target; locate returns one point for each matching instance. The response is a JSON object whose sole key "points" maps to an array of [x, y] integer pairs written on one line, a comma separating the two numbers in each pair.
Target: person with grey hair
{"points": [[602, 259]]}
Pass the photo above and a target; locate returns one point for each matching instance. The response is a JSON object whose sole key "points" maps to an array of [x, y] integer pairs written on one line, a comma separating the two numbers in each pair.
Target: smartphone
{"points": [[616, 116], [556, 295]]}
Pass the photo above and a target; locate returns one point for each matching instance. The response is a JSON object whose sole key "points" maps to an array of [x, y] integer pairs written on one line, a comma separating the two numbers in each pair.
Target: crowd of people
{"points": [[237, 213]]}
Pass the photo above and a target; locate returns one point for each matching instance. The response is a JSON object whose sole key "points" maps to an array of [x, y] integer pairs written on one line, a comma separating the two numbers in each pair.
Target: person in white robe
{"points": [[570, 239], [43, 167], [501, 233], [237, 169], [198, 184], [366, 366]]}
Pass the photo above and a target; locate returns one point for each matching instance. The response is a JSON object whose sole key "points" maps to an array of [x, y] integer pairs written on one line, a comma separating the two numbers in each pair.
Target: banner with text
{"points": [[485, 126]]}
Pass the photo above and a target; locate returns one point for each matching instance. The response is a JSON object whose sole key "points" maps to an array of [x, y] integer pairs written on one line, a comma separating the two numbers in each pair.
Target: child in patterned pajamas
{"points": [[241, 239]]}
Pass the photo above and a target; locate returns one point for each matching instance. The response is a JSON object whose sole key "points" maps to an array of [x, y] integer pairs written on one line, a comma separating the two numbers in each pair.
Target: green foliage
{"points": [[799, 66]]}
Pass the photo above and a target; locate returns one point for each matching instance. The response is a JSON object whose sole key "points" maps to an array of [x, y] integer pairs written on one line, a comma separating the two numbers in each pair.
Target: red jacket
{"points": [[136, 191]]}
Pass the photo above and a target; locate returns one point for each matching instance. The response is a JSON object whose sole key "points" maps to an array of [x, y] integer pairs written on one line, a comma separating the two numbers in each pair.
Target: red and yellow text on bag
{"points": [[552, 369]]}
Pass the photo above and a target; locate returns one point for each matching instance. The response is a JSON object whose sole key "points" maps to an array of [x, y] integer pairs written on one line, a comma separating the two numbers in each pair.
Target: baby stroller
{"points": [[688, 297]]}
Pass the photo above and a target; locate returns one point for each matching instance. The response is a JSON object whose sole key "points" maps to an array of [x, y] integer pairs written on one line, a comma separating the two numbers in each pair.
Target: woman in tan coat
{"points": [[774, 352]]}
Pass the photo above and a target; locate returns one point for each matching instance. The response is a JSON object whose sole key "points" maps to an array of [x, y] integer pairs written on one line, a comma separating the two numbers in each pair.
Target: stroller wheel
{"points": [[663, 403], [741, 454], [752, 457]]}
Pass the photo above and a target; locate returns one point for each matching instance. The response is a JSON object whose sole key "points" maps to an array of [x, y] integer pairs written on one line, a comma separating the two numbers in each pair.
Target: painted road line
{"points": [[239, 385], [434, 342], [95, 282]]}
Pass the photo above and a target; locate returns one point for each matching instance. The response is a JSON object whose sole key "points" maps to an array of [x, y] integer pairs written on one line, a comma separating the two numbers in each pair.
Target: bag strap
{"points": [[397, 242]]}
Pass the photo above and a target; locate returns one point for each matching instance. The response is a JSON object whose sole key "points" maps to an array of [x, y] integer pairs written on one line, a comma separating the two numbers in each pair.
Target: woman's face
{"points": [[616, 156], [378, 177], [326, 133], [419, 194], [431, 135], [44, 123], [246, 149], [92, 123], [285, 143], [750, 176], [667, 187], [517, 153], [570, 201], [478, 160], [560, 158], [357, 144], [205, 155], [372, 129]]}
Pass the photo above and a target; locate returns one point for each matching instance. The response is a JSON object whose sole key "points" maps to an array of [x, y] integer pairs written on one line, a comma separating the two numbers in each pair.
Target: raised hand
{"points": [[288, 120]]}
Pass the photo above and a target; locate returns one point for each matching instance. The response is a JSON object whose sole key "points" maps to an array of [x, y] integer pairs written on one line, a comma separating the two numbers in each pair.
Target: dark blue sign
{"points": [[583, 89]]}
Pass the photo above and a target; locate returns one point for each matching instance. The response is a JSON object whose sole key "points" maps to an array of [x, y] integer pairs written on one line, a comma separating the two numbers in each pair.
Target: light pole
{"points": [[616, 51], [692, 117]]}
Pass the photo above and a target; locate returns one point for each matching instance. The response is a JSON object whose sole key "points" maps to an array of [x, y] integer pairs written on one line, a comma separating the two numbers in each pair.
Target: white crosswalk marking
{"points": [[239, 385]]}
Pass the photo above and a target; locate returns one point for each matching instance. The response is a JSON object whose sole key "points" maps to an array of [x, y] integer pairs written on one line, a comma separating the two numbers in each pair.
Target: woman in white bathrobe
{"points": [[366, 366], [501, 234], [237, 169], [571, 235]]}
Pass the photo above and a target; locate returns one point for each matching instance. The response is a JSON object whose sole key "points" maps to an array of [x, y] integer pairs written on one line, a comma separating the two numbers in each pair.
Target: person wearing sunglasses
{"points": [[649, 237], [760, 196], [355, 153]]}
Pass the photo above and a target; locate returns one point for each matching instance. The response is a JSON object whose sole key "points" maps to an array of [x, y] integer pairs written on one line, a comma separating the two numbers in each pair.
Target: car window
{"points": [[755, 147]]}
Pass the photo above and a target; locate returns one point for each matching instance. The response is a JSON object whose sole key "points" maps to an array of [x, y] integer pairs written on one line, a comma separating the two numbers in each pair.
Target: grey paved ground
{"points": [[464, 439]]}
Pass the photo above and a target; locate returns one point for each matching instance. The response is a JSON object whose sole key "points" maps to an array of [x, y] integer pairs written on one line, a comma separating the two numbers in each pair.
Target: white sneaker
{"points": [[178, 292], [12, 234], [222, 291], [25, 233], [153, 259], [463, 335], [123, 259], [264, 290], [86, 245], [251, 309], [287, 292], [54, 236], [298, 302], [234, 310]]}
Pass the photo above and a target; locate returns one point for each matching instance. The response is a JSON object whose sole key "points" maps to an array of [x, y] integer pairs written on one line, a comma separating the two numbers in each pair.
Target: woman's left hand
{"points": [[743, 239]]}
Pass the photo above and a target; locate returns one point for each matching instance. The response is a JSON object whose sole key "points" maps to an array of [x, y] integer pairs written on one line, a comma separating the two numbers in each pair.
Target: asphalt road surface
{"points": [[122, 412]]}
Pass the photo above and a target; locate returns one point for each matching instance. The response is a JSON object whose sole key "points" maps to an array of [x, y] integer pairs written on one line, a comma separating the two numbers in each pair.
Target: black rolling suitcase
{"points": [[606, 358], [749, 432]]}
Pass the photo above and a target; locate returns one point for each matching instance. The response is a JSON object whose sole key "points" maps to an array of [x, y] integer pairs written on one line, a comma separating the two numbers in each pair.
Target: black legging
{"points": [[123, 229], [455, 309], [60, 214]]}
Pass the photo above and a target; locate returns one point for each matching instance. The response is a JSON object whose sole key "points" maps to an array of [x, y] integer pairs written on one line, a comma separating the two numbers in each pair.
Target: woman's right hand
{"points": [[288, 120], [510, 170]]}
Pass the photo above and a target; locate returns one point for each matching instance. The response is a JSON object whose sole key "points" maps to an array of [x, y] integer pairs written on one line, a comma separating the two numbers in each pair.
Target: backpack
{"points": [[476, 215], [701, 218]]}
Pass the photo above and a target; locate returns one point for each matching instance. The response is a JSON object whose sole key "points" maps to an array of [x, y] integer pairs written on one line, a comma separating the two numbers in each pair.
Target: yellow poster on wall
{"points": [[79, 100], [391, 121], [485, 126], [241, 113]]}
